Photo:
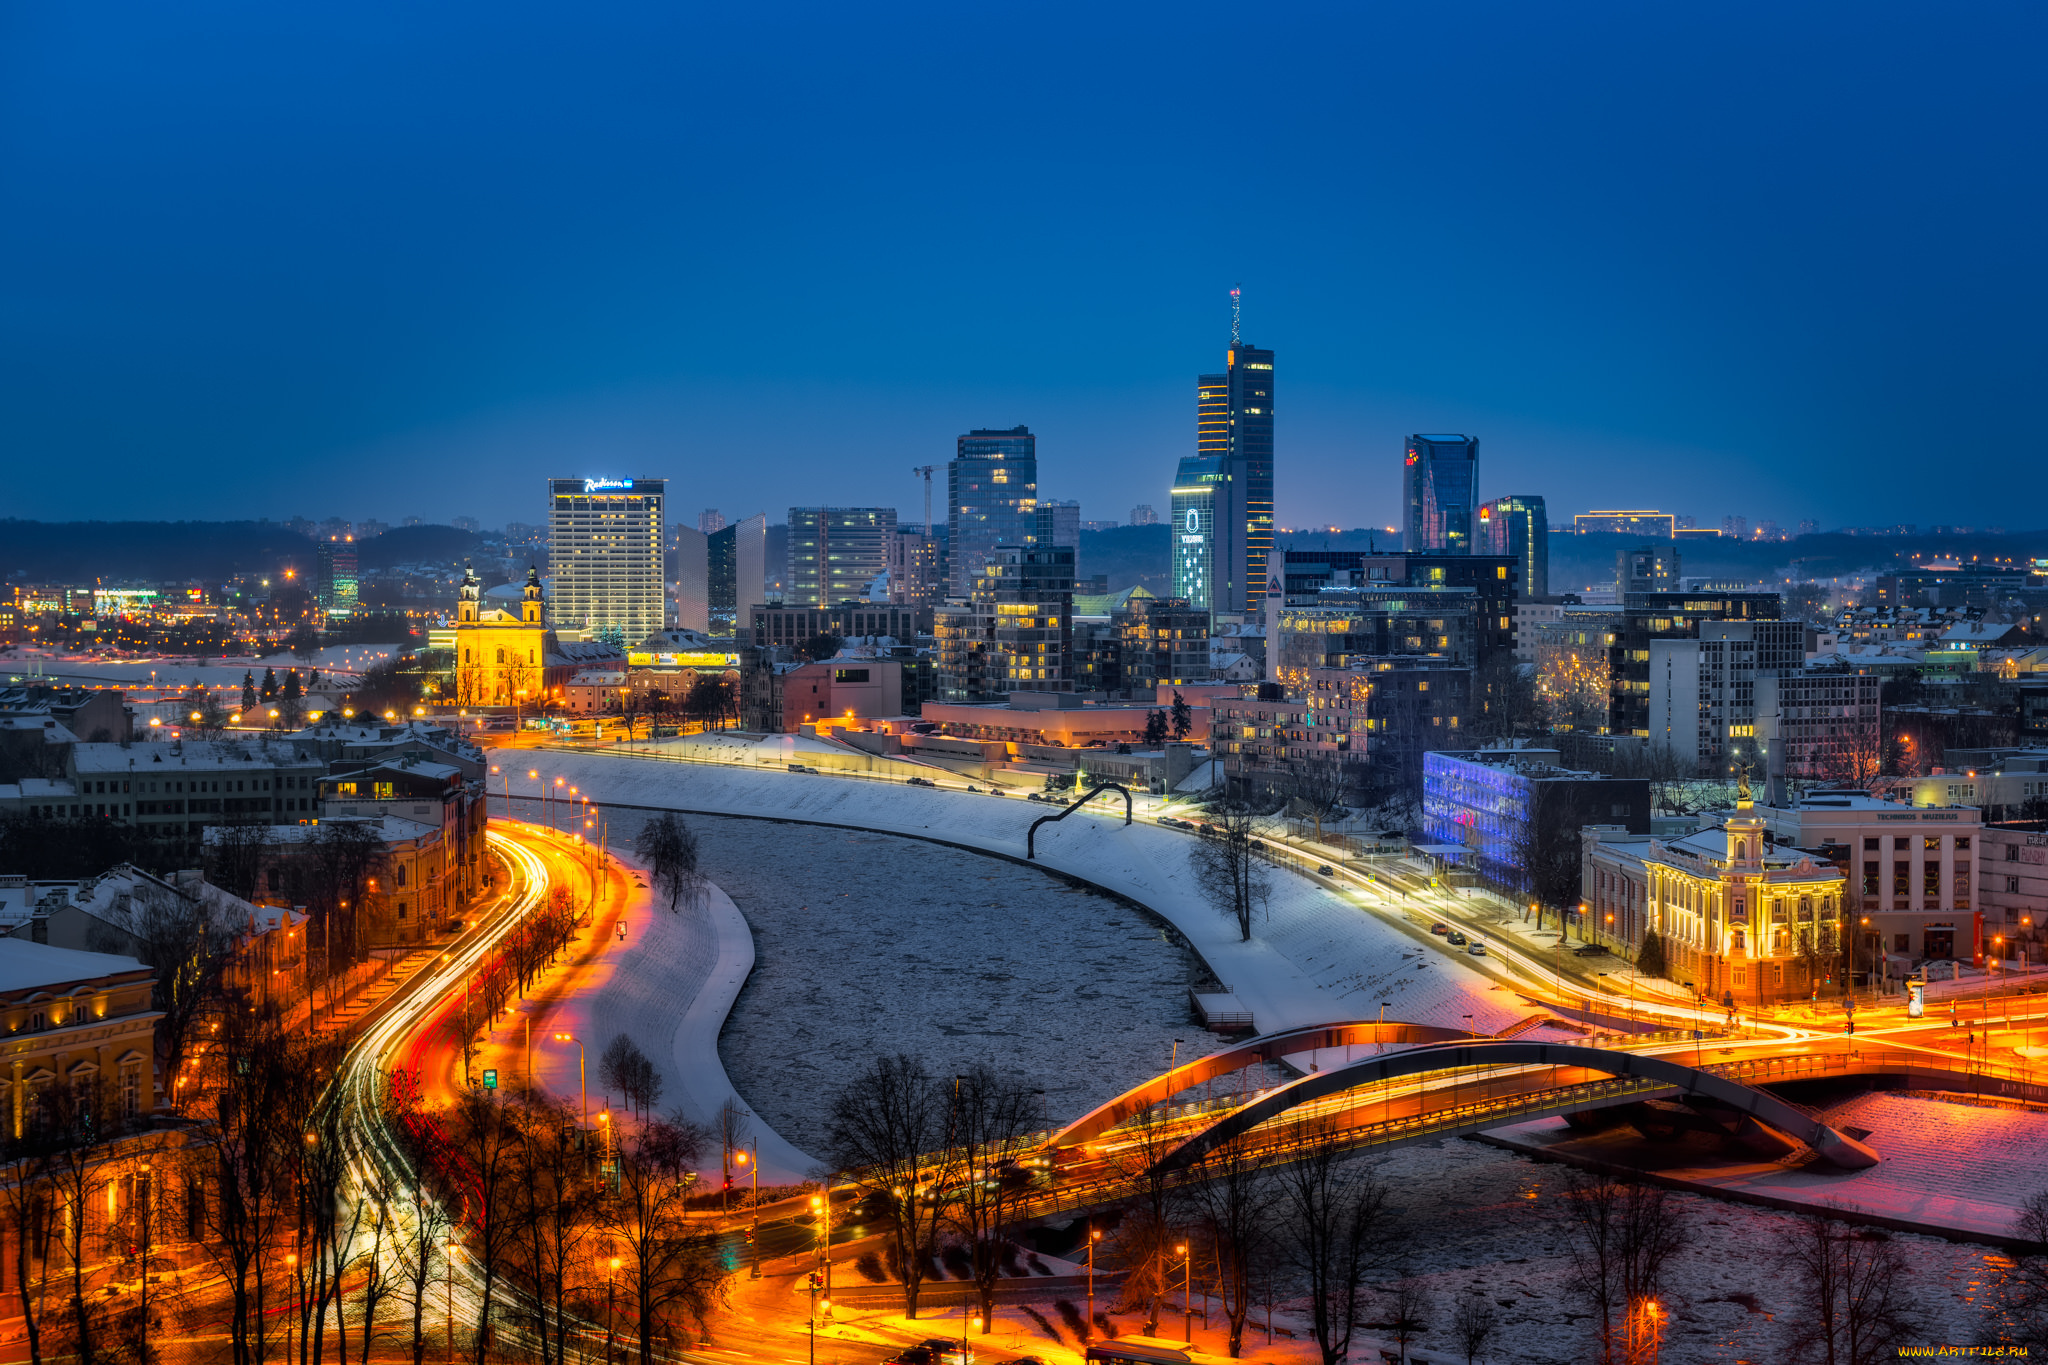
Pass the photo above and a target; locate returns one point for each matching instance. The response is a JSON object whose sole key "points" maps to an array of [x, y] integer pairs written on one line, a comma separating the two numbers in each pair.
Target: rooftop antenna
{"points": [[1236, 315]]}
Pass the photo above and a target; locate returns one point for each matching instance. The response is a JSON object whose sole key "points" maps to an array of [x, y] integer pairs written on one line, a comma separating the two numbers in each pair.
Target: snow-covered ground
{"points": [[1315, 956], [1936, 1155]]}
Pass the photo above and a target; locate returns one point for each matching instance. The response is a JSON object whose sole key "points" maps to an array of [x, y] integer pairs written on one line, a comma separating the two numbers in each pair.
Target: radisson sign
{"points": [[602, 485]]}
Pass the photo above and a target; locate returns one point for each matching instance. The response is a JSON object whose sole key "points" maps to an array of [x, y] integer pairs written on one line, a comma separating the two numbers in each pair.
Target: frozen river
{"points": [[874, 943]]}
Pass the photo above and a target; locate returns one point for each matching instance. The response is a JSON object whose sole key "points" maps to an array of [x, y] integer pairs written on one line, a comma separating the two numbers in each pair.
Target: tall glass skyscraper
{"points": [[1221, 552], [1440, 494], [1517, 525], [991, 500]]}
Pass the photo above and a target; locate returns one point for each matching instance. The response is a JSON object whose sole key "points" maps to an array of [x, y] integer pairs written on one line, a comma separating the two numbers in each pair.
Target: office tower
{"points": [[1516, 525], [1645, 524], [334, 585], [605, 550], [1233, 461], [1439, 494], [836, 553], [710, 521], [914, 570], [689, 577], [1143, 515], [991, 500], [737, 568], [1201, 496], [1059, 523]]}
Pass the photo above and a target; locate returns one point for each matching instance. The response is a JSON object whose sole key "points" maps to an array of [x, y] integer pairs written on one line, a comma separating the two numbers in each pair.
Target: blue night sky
{"points": [[359, 260]]}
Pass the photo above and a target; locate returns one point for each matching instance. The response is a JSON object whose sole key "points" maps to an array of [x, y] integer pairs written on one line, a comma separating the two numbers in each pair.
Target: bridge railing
{"points": [[1970, 1074]]}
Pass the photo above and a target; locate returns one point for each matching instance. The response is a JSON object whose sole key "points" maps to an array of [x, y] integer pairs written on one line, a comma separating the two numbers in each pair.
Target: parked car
{"points": [[798, 768], [1439, 928], [1589, 950], [922, 782], [1456, 939], [1477, 950], [1327, 870]]}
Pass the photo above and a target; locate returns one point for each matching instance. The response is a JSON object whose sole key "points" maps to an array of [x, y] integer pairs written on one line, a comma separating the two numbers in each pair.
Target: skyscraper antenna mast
{"points": [[1236, 314]]}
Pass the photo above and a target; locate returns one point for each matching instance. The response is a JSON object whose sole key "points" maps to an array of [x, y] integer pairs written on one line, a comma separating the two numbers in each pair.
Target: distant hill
{"points": [[81, 551], [415, 545]]}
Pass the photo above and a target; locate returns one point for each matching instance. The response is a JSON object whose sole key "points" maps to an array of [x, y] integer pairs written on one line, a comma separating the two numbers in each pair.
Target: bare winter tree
{"points": [[2020, 1308], [673, 1277], [1318, 788], [1475, 1324], [1233, 1194], [1625, 1234], [1335, 1230], [886, 1138], [30, 1214], [1228, 870], [1408, 1310], [669, 848], [1857, 1304], [554, 1208], [990, 1115], [190, 955], [235, 857], [1145, 1236], [486, 1138], [627, 1069]]}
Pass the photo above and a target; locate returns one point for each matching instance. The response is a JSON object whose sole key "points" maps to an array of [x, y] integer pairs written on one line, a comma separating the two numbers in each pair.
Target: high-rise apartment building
{"points": [[991, 500], [1223, 493], [1517, 525], [836, 553], [1143, 515], [605, 554], [1439, 494], [1014, 633], [736, 570], [915, 571], [334, 584], [1647, 568], [710, 521]]}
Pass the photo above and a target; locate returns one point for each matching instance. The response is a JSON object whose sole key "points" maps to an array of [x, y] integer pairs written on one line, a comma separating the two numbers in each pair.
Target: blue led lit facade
{"points": [[1520, 815]]}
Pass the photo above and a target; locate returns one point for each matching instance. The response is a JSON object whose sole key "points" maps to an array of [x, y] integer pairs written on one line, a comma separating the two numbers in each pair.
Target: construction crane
{"points": [[926, 471]]}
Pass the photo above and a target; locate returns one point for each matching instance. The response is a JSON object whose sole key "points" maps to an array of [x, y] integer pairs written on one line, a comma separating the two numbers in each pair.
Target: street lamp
{"points": [[1094, 1236], [821, 1208], [610, 1304], [1187, 1298]]}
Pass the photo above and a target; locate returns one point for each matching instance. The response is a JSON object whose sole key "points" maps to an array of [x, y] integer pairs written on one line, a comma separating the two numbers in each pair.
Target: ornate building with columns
{"points": [[1740, 921]]}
